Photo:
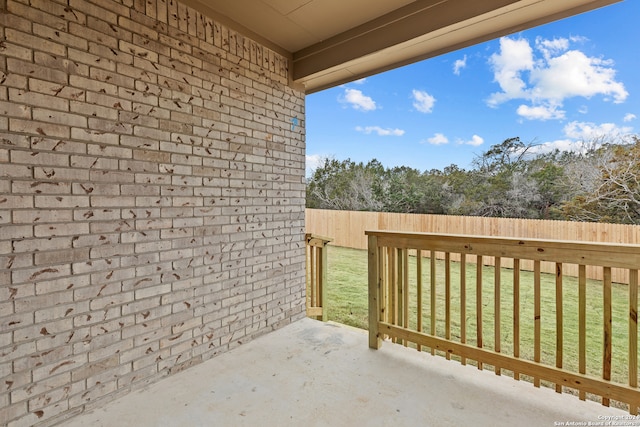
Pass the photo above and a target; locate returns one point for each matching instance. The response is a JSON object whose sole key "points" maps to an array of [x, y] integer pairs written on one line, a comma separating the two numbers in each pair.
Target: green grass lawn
{"points": [[347, 303]]}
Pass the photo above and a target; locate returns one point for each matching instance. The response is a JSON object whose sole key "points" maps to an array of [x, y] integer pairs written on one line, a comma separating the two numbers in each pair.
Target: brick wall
{"points": [[151, 198]]}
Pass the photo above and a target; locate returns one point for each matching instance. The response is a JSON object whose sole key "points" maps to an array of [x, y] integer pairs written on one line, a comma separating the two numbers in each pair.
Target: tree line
{"points": [[600, 183]]}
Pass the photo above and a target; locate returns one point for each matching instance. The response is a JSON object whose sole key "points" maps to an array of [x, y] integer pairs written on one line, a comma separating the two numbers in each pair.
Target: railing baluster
{"points": [[400, 289], [384, 256], [516, 313], [447, 298], [307, 275], [405, 290], [319, 267], [383, 274], [393, 287], [463, 302], [313, 277], [433, 297], [375, 283], [536, 317], [479, 305], [606, 356], [559, 322], [496, 309], [633, 333], [582, 323], [419, 292]]}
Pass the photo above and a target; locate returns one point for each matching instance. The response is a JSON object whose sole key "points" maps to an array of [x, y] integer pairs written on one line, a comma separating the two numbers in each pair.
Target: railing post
{"points": [[317, 276], [374, 293], [323, 280]]}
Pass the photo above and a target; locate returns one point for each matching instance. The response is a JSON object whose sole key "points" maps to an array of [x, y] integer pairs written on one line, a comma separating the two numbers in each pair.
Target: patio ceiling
{"points": [[330, 42]]}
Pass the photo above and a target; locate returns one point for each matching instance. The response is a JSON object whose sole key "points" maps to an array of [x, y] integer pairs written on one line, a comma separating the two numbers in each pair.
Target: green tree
{"points": [[502, 185], [402, 190]]}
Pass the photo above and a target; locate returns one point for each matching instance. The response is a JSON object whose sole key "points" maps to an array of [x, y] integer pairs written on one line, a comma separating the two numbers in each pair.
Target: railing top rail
{"points": [[574, 252]]}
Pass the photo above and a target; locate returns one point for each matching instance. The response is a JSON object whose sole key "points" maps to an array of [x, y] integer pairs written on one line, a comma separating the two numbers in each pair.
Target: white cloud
{"points": [[550, 47], [515, 57], [547, 79], [475, 141], [438, 139], [459, 65], [360, 81], [578, 39], [358, 100], [582, 136], [575, 74], [629, 117], [585, 131], [560, 145], [540, 112], [380, 131], [423, 102], [312, 162]]}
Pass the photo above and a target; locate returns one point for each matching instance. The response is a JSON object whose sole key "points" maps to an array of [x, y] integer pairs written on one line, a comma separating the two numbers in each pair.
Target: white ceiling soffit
{"points": [[331, 42]]}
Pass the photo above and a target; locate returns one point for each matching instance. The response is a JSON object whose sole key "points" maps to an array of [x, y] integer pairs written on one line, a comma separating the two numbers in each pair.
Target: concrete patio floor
{"points": [[321, 374]]}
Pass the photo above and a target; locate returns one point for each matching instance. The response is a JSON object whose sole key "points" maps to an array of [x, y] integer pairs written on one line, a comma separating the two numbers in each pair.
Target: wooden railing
{"points": [[563, 331], [316, 276]]}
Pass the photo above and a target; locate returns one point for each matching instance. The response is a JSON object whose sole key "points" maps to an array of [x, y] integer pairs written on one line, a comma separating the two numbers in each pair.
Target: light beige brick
{"points": [[62, 38], [95, 368], [54, 173], [32, 245], [40, 273], [33, 41], [93, 85], [46, 59], [24, 68], [61, 202], [58, 9], [56, 230], [91, 9], [97, 30], [14, 109], [40, 158], [56, 144], [39, 128], [16, 202]]}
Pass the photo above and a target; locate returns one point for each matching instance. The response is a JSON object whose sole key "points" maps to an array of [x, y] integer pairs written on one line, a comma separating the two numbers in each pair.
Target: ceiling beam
{"points": [[407, 23]]}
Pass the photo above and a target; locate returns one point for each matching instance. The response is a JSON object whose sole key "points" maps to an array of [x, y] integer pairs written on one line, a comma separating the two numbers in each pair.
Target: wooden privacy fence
{"points": [[349, 227], [316, 276], [448, 307]]}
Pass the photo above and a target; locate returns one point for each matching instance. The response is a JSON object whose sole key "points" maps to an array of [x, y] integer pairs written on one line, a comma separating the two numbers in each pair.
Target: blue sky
{"points": [[555, 85]]}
